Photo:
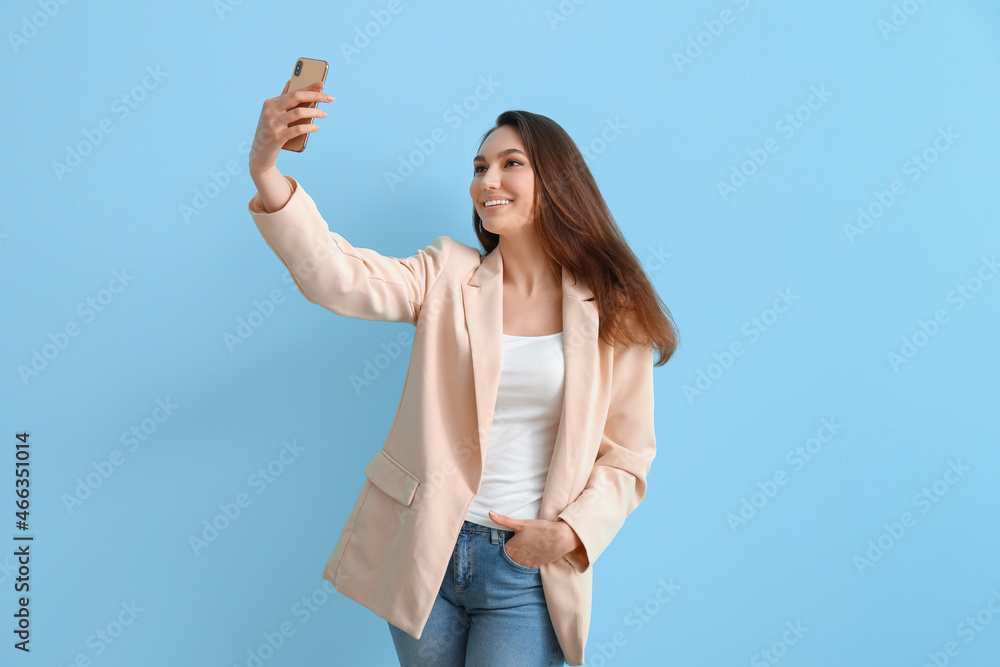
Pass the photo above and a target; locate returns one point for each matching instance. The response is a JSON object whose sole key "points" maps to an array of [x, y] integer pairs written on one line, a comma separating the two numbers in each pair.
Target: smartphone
{"points": [[307, 71]]}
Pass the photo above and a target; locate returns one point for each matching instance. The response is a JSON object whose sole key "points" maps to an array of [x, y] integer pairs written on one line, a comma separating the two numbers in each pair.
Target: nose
{"points": [[490, 179]]}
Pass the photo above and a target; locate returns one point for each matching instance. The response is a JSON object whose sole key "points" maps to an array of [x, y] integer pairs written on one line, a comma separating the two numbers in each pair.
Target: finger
{"points": [[303, 114], [287, 83], [303, 97], [514, 524]]}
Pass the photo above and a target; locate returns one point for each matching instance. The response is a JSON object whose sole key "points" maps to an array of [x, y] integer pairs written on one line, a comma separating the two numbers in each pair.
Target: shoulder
{"points": [[457, 247], [459, 257], [633, 358], [449, 265]]}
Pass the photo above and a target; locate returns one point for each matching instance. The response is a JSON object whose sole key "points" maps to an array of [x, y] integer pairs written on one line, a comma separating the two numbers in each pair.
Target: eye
{"points": [[475, 170]]}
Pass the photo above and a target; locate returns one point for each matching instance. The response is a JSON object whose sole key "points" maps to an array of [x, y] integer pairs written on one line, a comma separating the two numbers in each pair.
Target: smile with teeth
{"points": [[497, 202]]}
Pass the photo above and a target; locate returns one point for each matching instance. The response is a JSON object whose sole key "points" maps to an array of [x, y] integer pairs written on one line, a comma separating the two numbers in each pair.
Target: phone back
{"points": [[306, 72]]}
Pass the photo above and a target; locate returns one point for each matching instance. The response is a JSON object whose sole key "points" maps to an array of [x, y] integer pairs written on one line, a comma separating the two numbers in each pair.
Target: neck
{"points": [[525, 266]]}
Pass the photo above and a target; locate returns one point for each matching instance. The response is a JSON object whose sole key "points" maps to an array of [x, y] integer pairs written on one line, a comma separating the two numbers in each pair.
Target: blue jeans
{"points": [[490, 611]]}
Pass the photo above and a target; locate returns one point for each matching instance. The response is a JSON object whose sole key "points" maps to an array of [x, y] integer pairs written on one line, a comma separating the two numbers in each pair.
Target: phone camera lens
{"points": [[298, 68]]}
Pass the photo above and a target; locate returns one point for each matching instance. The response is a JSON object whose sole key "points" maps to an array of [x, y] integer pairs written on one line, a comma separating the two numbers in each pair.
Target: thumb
{"points": [[513, 524]]}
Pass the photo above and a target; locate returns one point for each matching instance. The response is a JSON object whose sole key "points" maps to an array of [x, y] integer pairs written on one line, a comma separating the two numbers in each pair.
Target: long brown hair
{"points": [[577, 231]]}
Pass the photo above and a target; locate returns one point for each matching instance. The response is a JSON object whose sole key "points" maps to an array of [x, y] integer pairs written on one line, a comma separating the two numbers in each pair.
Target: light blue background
{"points": [[683, 128]]}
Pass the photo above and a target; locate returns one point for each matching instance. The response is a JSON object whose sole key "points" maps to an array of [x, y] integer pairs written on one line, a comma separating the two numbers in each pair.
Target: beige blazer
{"points": [[394, 549]]}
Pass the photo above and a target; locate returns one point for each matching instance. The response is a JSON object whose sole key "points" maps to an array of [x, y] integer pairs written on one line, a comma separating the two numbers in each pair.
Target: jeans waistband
{"points": [[470, 526]]}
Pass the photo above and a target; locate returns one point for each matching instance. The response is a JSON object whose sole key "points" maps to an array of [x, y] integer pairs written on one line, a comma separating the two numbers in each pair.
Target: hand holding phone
{"points": [[307, 72], [284, 121]]}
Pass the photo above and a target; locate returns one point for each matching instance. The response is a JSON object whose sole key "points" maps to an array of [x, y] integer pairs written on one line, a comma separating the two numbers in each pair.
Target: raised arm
{"points": [[329, 271], [349, 281]]}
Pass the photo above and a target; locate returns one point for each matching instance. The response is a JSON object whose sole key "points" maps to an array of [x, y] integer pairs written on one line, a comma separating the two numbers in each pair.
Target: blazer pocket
{"points": [[391, 478]]}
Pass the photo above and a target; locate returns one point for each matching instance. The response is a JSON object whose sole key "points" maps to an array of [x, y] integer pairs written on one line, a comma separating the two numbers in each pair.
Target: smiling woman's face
{"points": [[501, 171]]}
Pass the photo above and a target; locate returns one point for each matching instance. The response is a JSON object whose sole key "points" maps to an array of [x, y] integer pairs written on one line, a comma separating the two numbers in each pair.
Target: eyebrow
{"points": [[480, 158]]}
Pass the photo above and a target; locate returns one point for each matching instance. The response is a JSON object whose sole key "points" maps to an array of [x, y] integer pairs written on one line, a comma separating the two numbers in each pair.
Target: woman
{"points": [[478, 553]]}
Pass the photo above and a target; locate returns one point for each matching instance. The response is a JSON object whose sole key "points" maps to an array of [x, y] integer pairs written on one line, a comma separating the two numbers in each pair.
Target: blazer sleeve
{"points": [[332, 273], [617, 482]]}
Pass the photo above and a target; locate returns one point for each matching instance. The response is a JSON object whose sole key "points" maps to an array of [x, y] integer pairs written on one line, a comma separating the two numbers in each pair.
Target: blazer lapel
{"points": [[483, 300]]}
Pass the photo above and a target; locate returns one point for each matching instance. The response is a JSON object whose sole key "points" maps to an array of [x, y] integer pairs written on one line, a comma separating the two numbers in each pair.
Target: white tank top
{"points": [[523, 432]]}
